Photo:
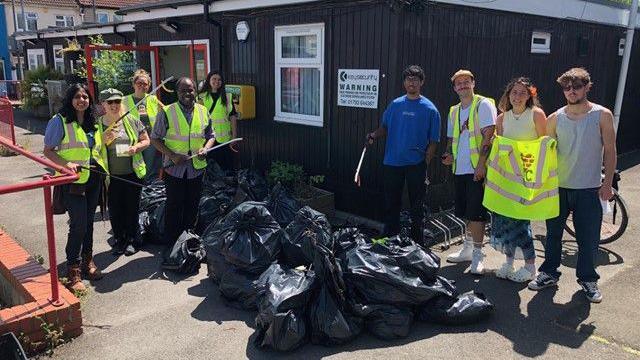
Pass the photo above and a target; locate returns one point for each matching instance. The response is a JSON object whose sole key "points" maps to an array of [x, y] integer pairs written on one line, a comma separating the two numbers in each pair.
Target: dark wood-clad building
{"points": [[295, 51]]}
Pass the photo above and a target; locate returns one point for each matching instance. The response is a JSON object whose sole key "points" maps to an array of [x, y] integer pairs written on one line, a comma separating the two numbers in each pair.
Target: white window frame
{"points": [[65, 19], [98, 14], [35, 53], [313, 63], [541, 48], [58, 60], [27, 17]]}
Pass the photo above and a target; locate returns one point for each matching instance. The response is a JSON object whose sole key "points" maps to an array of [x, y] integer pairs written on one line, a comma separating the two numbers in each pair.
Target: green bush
{"points": [[293, 178], [34, 86], [112, 68]]}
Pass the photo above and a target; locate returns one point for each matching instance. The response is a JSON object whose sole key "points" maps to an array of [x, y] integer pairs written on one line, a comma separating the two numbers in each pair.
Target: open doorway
{"points": [[182, 58]]}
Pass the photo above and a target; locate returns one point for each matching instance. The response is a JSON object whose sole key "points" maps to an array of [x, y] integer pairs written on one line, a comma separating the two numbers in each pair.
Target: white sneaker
{"points": [[477, 268], [463, 255]]}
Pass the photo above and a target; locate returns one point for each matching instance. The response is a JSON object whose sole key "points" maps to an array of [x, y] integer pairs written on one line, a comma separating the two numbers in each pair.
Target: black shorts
{"points": [[469, 196]]}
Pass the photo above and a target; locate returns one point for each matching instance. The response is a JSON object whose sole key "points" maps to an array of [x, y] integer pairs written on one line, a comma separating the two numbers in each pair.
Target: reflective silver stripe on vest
{"points": [[517, 175], [73, 142], [545, 195], [203, 119]]}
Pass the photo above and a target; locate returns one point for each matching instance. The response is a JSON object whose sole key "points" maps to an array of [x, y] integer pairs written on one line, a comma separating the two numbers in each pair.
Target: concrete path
{"points": [[139, 312]]}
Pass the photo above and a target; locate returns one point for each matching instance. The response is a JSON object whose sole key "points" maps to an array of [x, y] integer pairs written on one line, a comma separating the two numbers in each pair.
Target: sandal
{"points": [[505, 271], [521, 276]]}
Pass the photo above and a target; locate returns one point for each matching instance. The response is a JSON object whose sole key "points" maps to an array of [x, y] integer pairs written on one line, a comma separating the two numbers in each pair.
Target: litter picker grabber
{"points": [[111, 176], [115, 123], [356, 178], [210, 149]]}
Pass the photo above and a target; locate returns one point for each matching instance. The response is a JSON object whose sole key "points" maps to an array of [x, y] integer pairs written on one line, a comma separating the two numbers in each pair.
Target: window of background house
{"points": [[32, 21], [117, 18], [299, 74], [103, 18], [64, 20], [58, 58]]}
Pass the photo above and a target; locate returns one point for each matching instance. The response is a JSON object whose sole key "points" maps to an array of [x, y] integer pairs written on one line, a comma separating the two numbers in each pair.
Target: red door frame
{"points": [[192, 49], [89, 48]]}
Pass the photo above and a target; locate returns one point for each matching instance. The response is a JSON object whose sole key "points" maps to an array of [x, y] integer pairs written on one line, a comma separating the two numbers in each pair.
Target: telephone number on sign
{"points": [[357, 102]]}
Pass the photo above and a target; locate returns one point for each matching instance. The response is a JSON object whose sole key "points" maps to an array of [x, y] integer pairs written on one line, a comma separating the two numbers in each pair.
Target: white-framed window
{"points": [[102, 18], [64, 20], [58, 58], [35, 58], [299, 74], [32, 21]]}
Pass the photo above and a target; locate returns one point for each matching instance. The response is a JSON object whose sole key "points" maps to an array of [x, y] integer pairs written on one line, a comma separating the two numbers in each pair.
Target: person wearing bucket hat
{"points": [[124, 140]]}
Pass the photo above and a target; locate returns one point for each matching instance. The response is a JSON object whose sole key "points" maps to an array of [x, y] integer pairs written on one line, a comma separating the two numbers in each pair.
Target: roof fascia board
{"points": [[78, 32]]}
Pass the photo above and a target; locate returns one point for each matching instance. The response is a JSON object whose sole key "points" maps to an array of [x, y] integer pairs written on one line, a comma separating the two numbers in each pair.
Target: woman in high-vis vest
{"points": [[522, 119], [223, 117], [124, 142], [146, 112], [73, 140]]}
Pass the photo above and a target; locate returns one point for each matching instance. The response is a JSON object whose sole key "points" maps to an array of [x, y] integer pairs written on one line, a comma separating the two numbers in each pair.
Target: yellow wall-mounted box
{"points": [[244, 99]]}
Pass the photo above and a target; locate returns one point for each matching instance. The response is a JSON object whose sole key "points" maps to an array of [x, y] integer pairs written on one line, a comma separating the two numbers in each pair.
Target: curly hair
{"points": [[505, 104]]}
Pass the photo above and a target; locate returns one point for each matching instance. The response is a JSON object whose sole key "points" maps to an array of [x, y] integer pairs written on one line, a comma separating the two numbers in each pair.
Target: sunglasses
{"points": [[117, 101], [573, 87]]}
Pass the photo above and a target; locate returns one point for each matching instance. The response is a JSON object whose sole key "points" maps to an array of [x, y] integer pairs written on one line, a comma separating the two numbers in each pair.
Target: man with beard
{"points": [[182, 129], [471, 126], [585, 133], [411, 124]]}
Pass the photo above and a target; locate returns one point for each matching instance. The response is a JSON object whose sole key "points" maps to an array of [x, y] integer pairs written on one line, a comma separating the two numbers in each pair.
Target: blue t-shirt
{"points": [[411, 125]]}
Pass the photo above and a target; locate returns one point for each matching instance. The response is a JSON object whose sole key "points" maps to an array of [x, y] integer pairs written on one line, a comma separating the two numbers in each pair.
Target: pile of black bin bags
{"points": [[308, 282]]}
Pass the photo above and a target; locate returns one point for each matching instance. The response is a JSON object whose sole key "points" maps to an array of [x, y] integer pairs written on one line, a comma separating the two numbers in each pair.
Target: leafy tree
{"points": [[111, 68]]}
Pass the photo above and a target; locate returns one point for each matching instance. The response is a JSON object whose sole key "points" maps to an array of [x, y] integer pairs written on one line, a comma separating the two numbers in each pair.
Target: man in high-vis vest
{"points": [[182, 129], [470, 129], [586, 137]]}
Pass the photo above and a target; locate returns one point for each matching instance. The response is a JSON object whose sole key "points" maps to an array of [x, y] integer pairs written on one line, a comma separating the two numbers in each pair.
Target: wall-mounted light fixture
{"points": [[169, 27]]}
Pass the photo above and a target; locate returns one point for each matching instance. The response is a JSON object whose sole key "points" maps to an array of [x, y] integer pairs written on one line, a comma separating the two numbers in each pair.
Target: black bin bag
{"points": [[247, 237], [281, 323], [282, 205], [331, 320], [253, 184], [400, 273], [468, 308], [212, 209], [186, 255], [242, 289], [307, 226], [346, 239]]}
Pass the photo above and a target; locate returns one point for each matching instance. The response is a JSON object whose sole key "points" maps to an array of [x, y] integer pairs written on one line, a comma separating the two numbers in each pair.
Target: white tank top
{"points": [[520, 127]]}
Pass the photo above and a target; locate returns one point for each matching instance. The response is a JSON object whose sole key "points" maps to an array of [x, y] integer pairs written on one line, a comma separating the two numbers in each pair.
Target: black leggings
{"points": [[394, 179], [124, 202]]}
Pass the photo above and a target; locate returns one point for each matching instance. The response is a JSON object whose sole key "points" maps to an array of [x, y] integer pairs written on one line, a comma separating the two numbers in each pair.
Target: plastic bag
{"points": [[216, 264], [386, 322], [331, 323], [468, 308], [307, 226], [395, 274], [281, 323], [155, 233], [253, 184], [347, 239], [243, 289], [186, 255], [212, 209], [282, 205], [152, 195], [247, 237]]}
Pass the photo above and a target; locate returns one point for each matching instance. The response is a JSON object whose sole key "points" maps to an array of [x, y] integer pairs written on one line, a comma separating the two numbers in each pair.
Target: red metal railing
{"points": [[46, 183], [6, 120]]}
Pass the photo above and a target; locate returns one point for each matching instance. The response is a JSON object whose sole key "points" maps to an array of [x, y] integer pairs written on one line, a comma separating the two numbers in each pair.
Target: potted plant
{"points": [[34, 90], [303, 187]]}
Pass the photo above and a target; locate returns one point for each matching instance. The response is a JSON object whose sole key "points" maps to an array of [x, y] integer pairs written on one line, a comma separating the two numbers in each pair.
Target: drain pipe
{"points": [[208, 19], [626, 56]]}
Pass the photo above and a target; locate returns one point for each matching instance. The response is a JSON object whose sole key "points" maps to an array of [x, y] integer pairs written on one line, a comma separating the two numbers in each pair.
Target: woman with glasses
{"points": [[73, 140], [146, 111], [124, 140]]}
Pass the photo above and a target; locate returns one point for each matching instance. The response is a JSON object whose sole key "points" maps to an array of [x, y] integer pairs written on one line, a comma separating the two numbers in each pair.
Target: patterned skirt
{"points": [[512, 237]]}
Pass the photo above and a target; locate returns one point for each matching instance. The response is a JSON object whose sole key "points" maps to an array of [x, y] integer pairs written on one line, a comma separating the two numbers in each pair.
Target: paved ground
{"points": [[138, 312]]}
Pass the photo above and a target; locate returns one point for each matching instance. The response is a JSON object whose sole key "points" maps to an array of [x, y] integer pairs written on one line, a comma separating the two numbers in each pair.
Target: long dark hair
{"points": [[69, 112], [505, 105], [206, 87]]}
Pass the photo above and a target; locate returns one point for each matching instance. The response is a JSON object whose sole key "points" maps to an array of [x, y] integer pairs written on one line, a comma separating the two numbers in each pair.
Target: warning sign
{"points": [[358, 88]]}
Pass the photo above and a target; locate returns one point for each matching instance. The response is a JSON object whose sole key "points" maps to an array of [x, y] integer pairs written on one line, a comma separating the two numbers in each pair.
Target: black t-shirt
{"points": [[215, 96]]}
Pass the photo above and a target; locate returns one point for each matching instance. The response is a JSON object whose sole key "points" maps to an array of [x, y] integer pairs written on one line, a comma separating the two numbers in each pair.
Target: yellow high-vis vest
{"points": [[151, 103], [75, 148], [219, 116], [522, 179], [185, 140], [475, 132], [137, 161]]}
